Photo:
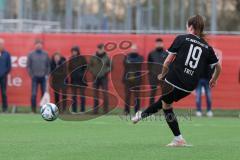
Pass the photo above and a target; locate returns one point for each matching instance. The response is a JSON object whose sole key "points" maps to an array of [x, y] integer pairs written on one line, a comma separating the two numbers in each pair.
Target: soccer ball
{"points": [[49, 112]]}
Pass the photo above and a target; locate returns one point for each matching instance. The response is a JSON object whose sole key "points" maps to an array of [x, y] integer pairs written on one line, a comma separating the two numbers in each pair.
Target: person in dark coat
{"points": [[77, 67], [5, 68], [132, 78], [100, 67], [156, 59], [58, 75]]}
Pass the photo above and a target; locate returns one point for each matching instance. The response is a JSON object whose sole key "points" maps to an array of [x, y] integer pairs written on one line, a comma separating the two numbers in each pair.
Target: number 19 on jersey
{"points": [[193, 59]]}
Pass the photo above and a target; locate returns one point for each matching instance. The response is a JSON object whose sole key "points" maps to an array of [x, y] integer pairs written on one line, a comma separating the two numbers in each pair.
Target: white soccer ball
{"points": [[49, 112]]}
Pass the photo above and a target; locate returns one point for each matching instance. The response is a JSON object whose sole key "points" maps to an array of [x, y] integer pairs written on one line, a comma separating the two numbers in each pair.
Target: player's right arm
{"points": [[213, 61], [172, 52], [215, 76], [170, 58]]}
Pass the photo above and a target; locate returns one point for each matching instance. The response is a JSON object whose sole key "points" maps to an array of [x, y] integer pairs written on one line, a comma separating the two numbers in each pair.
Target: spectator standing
{"points": [[60, 74], [5, 68], [204, 83], [100, 66], [38, 66], [156, 59], [132, 78], [77, 67]]}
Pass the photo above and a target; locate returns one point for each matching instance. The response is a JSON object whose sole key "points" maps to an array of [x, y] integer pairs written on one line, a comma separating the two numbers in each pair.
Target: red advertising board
{"points": [[225, 96]]}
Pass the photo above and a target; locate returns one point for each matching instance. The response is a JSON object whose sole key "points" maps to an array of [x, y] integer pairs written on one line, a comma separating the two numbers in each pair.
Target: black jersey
{"points": [[193, 54]]}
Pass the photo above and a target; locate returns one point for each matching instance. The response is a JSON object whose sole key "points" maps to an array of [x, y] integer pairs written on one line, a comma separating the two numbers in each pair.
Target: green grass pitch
{"points": [[28, 137]]}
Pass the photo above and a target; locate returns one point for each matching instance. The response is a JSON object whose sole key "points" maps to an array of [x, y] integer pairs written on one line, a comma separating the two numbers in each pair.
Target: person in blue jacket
{"points": [[5, 68]]}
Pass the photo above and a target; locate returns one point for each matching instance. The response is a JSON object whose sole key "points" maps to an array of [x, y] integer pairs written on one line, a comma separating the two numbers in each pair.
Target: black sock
{"points": [[154, 108], [172, 121]]}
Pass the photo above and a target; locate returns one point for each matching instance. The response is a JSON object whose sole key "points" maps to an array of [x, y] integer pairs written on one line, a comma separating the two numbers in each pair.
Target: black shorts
{"points": [[174, 96]]}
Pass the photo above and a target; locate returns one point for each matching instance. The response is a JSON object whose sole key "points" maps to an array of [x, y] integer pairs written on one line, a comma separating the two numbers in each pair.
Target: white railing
{"points": [[37, 26], [26, 25], [137, 31]]}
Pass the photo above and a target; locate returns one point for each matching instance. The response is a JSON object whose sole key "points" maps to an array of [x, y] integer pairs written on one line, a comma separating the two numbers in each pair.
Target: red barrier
{"points": [[226, 95]]}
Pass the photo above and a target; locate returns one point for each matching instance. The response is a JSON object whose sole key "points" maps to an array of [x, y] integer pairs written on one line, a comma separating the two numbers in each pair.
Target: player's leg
{"points": [[154, 108], [171, 118], [172, 122]]}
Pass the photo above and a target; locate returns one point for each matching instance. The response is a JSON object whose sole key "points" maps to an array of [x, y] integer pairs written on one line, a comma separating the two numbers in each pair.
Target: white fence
{"points": [[25, 25], [36, 26]]}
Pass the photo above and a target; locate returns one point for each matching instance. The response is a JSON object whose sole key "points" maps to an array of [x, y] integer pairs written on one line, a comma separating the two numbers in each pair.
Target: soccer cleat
{"points": [[210, 114], [178, 143], [137, 117], [199, 114]]}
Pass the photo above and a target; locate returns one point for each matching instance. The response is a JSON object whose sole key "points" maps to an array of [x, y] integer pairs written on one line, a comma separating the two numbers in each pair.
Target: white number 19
{"points": [[193, 57]]}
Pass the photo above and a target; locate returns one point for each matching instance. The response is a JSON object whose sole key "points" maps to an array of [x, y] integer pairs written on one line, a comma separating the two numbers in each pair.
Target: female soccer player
{"points": [[188, 56]]}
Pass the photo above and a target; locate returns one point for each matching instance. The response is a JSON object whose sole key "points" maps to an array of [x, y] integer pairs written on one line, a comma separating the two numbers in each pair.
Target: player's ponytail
{"points": [[198, 25]]}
